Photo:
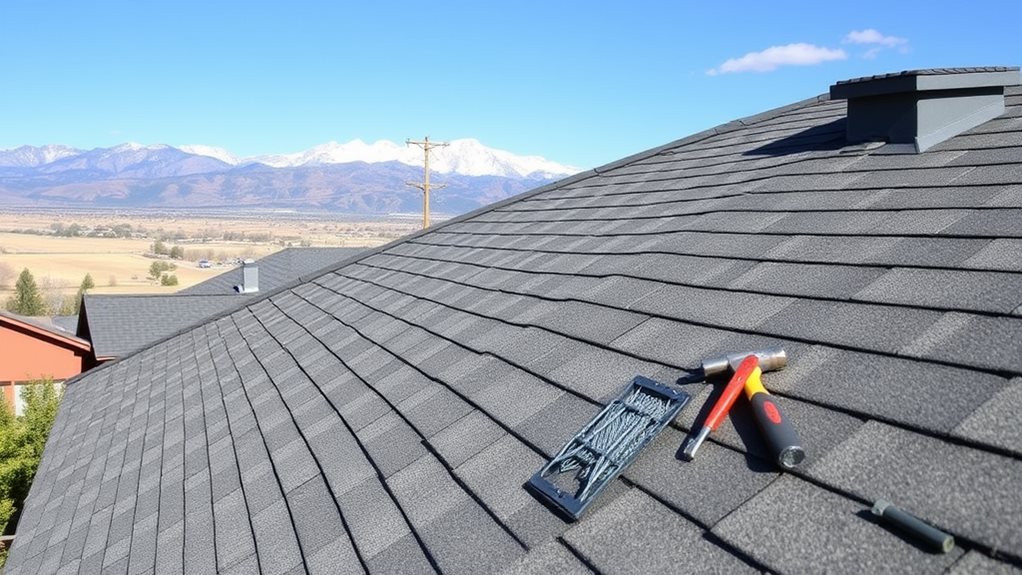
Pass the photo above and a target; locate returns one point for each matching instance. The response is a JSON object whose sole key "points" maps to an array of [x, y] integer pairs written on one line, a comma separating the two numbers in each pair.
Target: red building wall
{"points": [[28, 353]]}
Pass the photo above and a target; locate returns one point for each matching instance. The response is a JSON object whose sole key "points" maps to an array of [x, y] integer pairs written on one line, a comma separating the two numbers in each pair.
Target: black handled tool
{"points": [[930, 537], [779, 433]]}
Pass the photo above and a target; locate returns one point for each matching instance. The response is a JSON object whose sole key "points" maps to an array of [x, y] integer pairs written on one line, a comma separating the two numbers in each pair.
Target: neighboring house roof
{"points": [[43, 327], [384, 416], [68, 323], [276, 269], [118, 325], [121, 324]]}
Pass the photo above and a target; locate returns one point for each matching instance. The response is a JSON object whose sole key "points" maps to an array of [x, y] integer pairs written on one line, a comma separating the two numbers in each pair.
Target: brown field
{"points": [[120, 265]]}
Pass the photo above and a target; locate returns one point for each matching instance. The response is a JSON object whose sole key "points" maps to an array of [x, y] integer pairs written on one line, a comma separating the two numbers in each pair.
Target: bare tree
{"points": [[7, 274]]}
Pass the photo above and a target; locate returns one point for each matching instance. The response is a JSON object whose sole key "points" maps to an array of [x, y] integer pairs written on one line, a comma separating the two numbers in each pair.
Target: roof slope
{"points": [[276, 270], [121, 324], [384, 416]]}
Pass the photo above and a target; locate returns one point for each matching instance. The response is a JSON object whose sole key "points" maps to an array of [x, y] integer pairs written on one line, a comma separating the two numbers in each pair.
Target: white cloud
{"points": [[774, 57], [876, 42], [874, 37]]}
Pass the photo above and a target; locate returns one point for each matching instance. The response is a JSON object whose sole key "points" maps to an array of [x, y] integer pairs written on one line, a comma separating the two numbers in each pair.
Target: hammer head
{"points": [[770, 359]]}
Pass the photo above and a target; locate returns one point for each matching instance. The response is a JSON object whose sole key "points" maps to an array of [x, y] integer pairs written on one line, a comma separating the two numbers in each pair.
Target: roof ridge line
{"points": [[714, 131], [156, 295]]}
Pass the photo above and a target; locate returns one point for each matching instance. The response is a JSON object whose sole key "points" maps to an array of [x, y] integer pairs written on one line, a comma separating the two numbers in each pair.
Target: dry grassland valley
{"points": [[118, 248]]}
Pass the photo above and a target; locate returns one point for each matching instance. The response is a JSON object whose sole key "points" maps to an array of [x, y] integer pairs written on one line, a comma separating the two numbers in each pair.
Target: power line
{"points": [[426, 146]]}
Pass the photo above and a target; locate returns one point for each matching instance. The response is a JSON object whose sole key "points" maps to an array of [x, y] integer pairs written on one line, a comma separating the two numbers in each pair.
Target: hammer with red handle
{"points": [[780, 435]]}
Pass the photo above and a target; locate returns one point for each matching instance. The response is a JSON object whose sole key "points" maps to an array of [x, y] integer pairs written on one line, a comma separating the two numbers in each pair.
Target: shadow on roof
{"points": [[825, 137]]}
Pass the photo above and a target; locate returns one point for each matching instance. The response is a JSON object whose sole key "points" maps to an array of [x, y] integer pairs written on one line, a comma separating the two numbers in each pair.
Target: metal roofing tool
{"points": [[591, 459], [930, 537], [746, 368], [743, 365]]}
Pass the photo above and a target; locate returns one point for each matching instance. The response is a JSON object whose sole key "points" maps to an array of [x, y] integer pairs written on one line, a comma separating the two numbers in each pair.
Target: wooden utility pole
{"points": [[426, 146]]}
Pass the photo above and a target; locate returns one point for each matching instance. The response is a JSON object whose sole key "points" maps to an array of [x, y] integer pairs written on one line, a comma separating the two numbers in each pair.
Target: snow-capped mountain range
{"points": [[355, 177], [464, 156]]}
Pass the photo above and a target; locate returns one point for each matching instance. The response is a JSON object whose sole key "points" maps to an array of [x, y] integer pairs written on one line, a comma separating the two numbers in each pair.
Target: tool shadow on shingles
{"points": [[756, 454], [821, 138]]}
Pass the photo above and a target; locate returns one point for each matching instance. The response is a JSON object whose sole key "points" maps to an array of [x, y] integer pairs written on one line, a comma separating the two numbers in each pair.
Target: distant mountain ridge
{"points": [[466, 156], [354, 177]]}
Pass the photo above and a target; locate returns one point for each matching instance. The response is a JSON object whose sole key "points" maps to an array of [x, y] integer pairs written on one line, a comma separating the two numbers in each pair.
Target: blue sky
{"points": [[581, 83]]}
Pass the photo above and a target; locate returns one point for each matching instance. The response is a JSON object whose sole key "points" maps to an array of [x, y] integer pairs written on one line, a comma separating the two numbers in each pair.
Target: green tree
{"points": [[160, 248], [157, 268], [27, 299], [22, 440], [87, 283], [71, 307], [168, 280], [177, 253]]}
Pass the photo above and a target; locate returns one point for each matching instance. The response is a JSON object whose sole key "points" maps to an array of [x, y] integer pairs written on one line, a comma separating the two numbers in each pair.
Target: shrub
{"points": [[157, 268], [22, 440]]}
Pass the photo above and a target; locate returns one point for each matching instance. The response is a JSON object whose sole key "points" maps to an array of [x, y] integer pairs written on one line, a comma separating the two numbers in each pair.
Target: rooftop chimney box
{"points": [[923, 107], [249, 277]]}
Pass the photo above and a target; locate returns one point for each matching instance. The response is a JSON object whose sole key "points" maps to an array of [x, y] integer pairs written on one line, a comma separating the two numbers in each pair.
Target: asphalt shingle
{"points": [[642, 522], [795, 526], [947, 289], [993, 423], [116, 327], [946, 484]]}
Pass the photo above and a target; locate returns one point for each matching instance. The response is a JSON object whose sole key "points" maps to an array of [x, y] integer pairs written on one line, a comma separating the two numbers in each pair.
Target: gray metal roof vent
{"points": [[923, 107], [249, 277]]}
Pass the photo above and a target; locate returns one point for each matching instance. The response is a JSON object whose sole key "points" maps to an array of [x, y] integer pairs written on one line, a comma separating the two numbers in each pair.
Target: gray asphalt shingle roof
{"points": [[121, 324], [276, 270], [385, 415]]}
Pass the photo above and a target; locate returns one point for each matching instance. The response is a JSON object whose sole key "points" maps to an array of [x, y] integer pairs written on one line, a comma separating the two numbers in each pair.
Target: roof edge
{"points": [[53, 333], [154, 295], [714, 131]]}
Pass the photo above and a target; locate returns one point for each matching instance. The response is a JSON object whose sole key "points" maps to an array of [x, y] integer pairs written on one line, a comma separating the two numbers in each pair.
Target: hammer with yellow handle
{"points": [[746, 369], [779, 433]]}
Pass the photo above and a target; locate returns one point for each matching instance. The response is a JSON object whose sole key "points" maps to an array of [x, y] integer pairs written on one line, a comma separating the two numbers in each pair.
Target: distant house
{"points": [[118, 325], [32, 349], [383, 416], [275, 270]]}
